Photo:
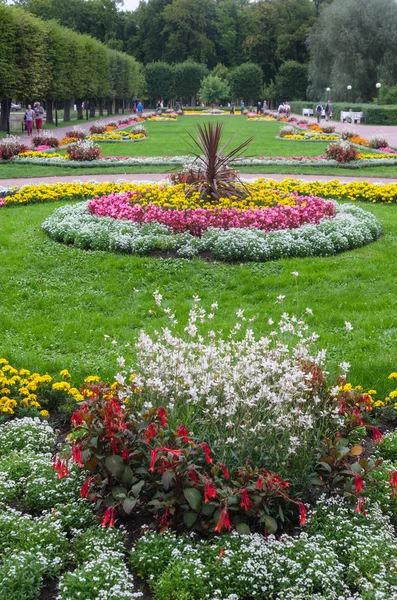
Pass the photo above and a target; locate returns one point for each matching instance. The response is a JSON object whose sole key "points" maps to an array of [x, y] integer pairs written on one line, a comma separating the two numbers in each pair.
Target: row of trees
{"points": [[190, 79], [43, 60]]}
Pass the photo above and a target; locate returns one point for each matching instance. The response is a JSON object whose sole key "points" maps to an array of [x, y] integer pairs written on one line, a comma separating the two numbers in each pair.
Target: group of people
{"points": [[34, 115], [137, 107], [327, 111], [284, 109]]}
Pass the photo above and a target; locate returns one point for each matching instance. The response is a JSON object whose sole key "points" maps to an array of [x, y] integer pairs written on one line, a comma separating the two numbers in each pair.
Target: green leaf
{"points": [[356, 468], [115, 465], [167, 478], [316, 481], [243, 529], [119, 493], [326, 466], [194, 498], [129, 505], [127, 477], [189, 519], [208, 509], [270, 524], [136, 489]]}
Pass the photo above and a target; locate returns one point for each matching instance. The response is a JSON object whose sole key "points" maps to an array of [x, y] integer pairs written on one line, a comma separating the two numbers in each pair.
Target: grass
{"points": [[170, 138], [58, 302]]}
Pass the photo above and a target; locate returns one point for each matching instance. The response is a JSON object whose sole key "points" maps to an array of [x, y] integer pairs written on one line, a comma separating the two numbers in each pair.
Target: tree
{"points": [[354, 43], [220, 71], [188, 77], [246, 82], [291, 81], [159, 81], [213, 90]]}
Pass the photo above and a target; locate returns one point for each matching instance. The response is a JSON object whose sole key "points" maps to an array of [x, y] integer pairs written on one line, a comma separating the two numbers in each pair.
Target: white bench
{"points": [[356, 117], [307, 112]]}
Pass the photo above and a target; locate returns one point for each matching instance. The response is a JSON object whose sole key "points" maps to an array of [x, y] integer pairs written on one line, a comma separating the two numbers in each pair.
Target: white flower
{"points": [[344, 367], [157, 297], [308, 311], [294, 273], [348, 326]]}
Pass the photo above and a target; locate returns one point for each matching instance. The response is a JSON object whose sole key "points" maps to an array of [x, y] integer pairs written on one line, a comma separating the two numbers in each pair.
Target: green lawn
{"points": [[171, 138], [57, 302]]}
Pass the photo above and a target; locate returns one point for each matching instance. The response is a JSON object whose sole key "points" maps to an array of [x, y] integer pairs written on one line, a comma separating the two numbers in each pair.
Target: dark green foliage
{"points": [[159, 81], [291, 81], [246, 82]]}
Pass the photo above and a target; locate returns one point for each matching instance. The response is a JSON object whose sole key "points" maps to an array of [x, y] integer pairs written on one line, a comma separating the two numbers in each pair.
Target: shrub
{"points": [[328, 128], [84, 150], [342, 152], [98, 127], [77, 133], [11, 146], [377, 141], [286, 130], [45, 140]]}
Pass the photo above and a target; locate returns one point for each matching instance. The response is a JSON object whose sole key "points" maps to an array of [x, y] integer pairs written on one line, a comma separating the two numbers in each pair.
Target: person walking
{"points": [[328, 111], [259, 108], [242, 106], [265, 106], [232, 108], [39, 112], [29, 118], [139, 108], [319, 111]]}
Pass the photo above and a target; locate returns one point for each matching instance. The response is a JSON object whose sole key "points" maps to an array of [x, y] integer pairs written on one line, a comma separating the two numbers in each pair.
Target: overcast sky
{"points": [[130, 4]]}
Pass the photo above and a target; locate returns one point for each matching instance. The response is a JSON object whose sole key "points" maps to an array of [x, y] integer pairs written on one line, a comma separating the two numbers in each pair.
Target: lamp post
{"points": [[328, 93], [378, 86], [349, 91], [56, 113]]}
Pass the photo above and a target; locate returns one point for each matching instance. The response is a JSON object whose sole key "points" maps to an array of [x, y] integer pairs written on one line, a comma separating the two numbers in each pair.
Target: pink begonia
{"points": [[308, 209]]}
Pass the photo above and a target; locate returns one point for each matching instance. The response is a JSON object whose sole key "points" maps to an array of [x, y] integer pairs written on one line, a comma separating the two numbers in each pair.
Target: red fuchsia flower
{"points": [[377, 437], [209, 491], [259, 483], [163, 450], [225, 471], [393, 482], [108, 517], [61, 467], [302, 514], [223, 521], [125, 455], [85, 488], [150, 432], [76, 454], [115, 445], [193, 476], [207, 452], [183, 433], [77, 418], [153, 456], [359, 483], [361, 506], [245, 501], [162, 413]]}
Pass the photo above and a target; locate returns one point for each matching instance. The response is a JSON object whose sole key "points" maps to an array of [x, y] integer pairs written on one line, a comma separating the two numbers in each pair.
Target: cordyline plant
{"points": [[136, 463], [215, 179]]}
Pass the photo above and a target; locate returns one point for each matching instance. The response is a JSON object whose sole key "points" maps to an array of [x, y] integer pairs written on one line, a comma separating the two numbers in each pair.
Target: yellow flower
{"points": [[359, 388], [24, 391], [62, 386], [65, 373], [5, 390], [393, 375], [3, 361], [92, 379], [379, 403], [44, 413], [371, 392], [45, 379], [393, 394], [24, 372]]}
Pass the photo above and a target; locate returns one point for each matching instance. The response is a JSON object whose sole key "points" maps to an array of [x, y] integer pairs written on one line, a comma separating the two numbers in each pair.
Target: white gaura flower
{"points": [[294, 273], [348, 326]]}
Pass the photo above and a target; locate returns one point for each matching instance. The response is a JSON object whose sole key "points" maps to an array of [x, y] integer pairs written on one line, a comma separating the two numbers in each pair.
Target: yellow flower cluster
{"points": [[310, 137], [167, 118], [264, 192], [41, 155], [64, 386], [116, 136], [19, 389], [368, 156]]}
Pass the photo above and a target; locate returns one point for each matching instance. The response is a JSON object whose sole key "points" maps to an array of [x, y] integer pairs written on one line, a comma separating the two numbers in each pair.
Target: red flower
{"points": [[108, 517], [85, 488], [162, 413], [150, 432], [259, 483], [125, 455], [223, 521], [245, 501], [360, 506], [377, 436], [302, 514], [61, 467], [393, 482], [76, 455], [225, 471], [207, 452], [193, 476], [183, 433], [115, 445], [153, 456], [359, 483], [209, 491]]}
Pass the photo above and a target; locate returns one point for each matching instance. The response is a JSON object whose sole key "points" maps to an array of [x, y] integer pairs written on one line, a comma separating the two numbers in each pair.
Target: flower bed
{"points": [[351, 228], [195, 221], [138, 133]]}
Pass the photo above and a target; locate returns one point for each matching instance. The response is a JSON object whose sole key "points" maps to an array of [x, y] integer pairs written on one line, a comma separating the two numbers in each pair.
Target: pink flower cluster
{"points": [[308, 209]]}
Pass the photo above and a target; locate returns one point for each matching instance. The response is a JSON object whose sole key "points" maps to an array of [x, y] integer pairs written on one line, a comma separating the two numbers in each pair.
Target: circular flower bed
{"points": [[312, 227]]}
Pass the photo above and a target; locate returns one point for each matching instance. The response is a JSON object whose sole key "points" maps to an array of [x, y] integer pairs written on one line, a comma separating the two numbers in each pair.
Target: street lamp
{"points": [[378, 86], [328, 95], [349, 90]]}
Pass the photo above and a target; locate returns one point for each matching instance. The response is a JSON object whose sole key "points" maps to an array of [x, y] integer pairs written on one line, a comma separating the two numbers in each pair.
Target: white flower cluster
{"points": [[351, 228], [357, 563], [28, 434]]}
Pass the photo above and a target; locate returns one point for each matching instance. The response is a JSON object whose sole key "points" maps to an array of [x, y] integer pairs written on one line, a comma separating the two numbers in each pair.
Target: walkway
{"points": [[161, 176]]}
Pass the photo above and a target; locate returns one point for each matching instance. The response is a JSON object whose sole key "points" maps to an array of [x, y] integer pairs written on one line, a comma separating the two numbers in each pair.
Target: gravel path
{"points": [[162, 176]]}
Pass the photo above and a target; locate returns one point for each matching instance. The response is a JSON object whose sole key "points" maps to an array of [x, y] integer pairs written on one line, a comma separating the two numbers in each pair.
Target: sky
{"points": [[130, 4]]}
